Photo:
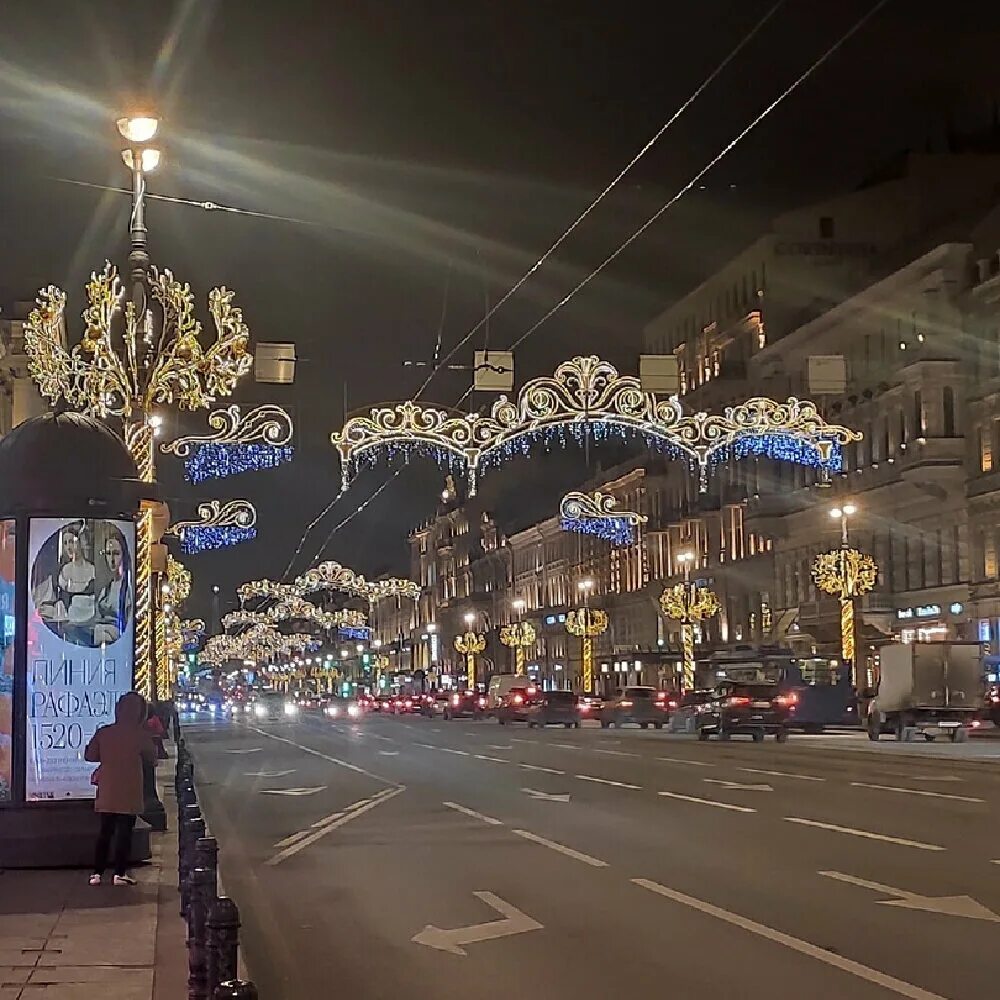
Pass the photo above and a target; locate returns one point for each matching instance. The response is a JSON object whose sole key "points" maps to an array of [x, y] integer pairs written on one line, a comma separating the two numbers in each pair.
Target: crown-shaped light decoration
{"points": [[219, 524], [587, 398], [596, 514], [238, 443]]}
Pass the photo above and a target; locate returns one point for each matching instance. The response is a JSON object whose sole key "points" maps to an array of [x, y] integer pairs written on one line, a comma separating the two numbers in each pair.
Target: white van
{"points": [[501, 685]]}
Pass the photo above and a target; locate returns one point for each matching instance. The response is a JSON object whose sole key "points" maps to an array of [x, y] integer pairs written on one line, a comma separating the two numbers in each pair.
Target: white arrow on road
{"points": [[292, 791], [269, 774], [251, 750], [535, 794], [951, 906], [739, 787], [513, 922]]}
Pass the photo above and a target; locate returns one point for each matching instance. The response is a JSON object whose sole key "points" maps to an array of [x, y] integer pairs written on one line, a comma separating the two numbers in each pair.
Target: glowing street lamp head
{"points": [[432, 626], [149, 159], [469, 618], [520, 604], [138, 129], [685, 557], [585, 585]]}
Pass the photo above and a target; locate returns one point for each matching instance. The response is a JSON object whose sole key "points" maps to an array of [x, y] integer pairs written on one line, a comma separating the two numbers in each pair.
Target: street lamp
{"points": [[688, 603], [130, 363], [846, 573]]}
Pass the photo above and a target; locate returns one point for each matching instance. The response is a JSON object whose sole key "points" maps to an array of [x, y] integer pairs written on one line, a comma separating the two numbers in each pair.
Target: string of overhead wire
{"points": [[440, 363]]}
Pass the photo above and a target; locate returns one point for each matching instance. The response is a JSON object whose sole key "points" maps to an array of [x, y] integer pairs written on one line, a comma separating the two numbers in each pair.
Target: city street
{"points": [[416, 857]]}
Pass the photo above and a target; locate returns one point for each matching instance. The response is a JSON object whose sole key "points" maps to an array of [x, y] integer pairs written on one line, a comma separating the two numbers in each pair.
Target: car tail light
{"points": [[408, 703], [673, 704], [976, 723], [625, 704], [787, 699], [518, 700], [736, 700], [454, 699], [532, 691], [584, 707], [482, 703]]}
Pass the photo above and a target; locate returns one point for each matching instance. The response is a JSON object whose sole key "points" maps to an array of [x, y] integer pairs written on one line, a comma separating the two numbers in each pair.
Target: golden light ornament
{"points": [[518, 635], [587, 396], [687, 604], [470, 644], [123, 367], [845, 573], [587, 623]]}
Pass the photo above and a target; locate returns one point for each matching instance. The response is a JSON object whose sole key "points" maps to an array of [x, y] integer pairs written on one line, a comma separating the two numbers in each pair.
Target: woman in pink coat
{"points": [[119, 750]]}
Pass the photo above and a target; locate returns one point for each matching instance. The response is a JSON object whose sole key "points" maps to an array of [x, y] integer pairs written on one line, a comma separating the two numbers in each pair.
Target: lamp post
{"points": [[587, 622], [846, 573], [518, 635], [688, 603], [470, 644], [128, 363]]}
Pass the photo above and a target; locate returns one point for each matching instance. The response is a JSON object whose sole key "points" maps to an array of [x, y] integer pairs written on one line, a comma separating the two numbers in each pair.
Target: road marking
{"points": [[607, 781], [616, 753], [496, 746], [780, 774], [916, 791], [682, 760], [707, 802], [538, 767], [460, 753], [426, 746], [292, 838], [296, 792], [251, 750], [512, 922], [471, 734], [472, 812], [934, 777], [377, 736], [737, 786], [268, 774], [867, 834], [566, 746], [333, 760], [496, 760], [435, 730], [515, 739], [305, 842], [388, 753], [545, 796], [897, 986], [562, 849], [952, 906]]}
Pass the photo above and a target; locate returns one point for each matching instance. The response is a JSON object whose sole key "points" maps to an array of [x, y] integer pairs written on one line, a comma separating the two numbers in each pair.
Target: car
{"points": [[514, 704], [640, 706], [382, 703], [465, 705], [501, 686], [312, 701], [407, 704], [553, 708], [591, 706], [273, 706], [753, 709], [344, 708]]}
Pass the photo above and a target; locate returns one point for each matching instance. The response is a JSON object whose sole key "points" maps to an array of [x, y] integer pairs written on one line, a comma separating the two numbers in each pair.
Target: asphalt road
{"points": [[414, 858]]}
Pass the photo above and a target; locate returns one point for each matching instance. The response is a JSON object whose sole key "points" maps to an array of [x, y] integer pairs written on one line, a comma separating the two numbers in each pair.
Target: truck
{"points": [[927, 688]]}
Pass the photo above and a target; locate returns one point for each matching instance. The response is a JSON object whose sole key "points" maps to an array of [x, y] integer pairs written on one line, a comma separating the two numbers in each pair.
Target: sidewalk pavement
{"points": [[62, 939]]}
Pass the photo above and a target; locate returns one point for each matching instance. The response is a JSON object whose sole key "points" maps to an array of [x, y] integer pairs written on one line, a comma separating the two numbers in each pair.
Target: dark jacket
{"points": [[119, 749]]}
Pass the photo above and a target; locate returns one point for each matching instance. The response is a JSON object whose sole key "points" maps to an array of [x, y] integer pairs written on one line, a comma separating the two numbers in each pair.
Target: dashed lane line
{"points": [[607, 781], [544, 770], [781, 774], [917, 791], [707, 802], [562, 849], [866, 834], [482, 817], [685, 760], [333, 760]]}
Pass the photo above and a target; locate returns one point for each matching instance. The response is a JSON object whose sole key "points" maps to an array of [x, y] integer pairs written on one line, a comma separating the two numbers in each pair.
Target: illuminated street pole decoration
{"points": [[587, 622], [687, 603], [219, 524], [587, 399], [129, 362], [518, 635], [471, 644], [595, 514], [846, 573], [239, 443]]}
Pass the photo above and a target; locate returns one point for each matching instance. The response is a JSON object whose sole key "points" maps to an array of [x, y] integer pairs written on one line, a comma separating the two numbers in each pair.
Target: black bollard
{"points": [[201, 900], [235, 990], [194, 828], [223, 934], [206, 855], [184, 814]]}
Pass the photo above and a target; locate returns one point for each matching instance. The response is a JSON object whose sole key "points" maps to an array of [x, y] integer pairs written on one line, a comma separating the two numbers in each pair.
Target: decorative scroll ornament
{"points": [[258, 644], [587, 622], [518, 634], [588, 398], [241, 618], [845, 572], [219, 524], [240, 443], [146, 370], [595, 514], [268, 589], [178, 580], [191, 629], [330, 576], [686, 603]]}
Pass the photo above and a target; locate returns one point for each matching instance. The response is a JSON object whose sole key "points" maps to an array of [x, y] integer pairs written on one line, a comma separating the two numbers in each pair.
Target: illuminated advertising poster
{"points": [[8, 622], [81, 631]]}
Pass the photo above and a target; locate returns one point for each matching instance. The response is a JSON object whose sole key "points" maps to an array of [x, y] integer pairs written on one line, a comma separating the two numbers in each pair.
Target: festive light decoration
{"points": [[219, 525], [688, 603], [470, 644], [595, 514], [359, 632], [124, 367], [259, 644], [587, 398], [518, 635], [331, 576], [240, 443], [845, 573], [587, 623]]}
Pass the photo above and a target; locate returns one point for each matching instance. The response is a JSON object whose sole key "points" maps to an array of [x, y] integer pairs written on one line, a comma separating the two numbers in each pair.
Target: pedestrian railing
{"points": [[213, 921]]}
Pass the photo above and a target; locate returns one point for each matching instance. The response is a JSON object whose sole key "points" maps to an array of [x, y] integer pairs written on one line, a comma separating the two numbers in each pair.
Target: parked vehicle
{"points": [[753, 709], [640, 706], [927, 688], [464, 705], [553, 708]]}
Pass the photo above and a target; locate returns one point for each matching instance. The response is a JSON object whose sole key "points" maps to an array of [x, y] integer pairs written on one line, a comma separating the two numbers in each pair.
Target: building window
{"points": [[949, 411], [985, 449], [989, 556], [826, 227]]}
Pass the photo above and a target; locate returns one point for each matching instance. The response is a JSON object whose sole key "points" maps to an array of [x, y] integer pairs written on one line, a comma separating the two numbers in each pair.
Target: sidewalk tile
{"points": [[93, 974]]}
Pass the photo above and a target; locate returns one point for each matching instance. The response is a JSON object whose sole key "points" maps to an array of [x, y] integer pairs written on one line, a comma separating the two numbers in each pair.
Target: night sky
{"points": [[430, 145]]}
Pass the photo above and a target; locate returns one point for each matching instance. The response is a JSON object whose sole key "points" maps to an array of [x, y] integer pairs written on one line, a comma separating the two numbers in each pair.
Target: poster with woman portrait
{"points": [[81, 629], [8, 625]]}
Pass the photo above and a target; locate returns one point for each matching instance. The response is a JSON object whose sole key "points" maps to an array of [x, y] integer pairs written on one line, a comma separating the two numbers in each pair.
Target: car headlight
{"points": [[353, 711], [260, 711], [291, 708]]}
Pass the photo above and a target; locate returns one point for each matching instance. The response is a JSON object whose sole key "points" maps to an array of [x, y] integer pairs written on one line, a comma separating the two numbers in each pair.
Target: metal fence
{"points": [[213, 921]]}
